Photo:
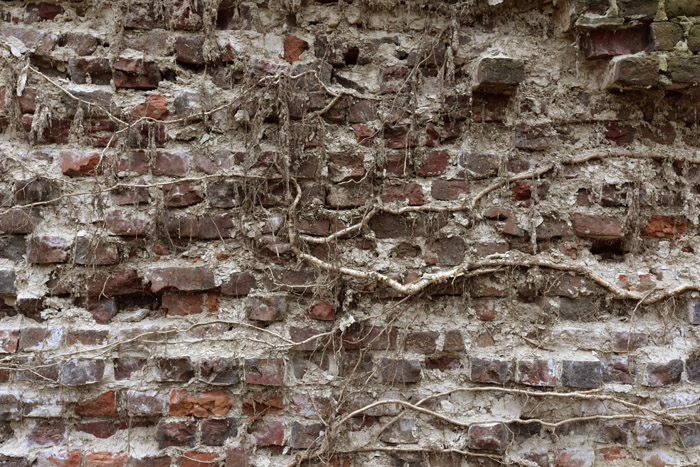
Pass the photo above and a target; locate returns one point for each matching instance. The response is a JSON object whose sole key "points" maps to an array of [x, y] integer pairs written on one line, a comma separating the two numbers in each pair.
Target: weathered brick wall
{"points": [[349, 232]]}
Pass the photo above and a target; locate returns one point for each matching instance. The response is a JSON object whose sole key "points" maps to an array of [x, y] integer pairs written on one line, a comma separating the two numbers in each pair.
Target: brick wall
{"points": [[349, 232]]}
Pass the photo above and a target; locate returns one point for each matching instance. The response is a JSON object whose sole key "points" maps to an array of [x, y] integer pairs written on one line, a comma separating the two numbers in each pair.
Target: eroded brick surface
{"points": [[244, 233]]}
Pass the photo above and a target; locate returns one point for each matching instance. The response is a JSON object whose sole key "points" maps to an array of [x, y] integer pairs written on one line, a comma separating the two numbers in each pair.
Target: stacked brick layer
{"points": [[253, 233]]}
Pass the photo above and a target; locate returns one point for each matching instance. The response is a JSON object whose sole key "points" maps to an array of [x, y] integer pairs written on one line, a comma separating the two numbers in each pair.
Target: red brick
{"points": [[453, 342], [216, 432], [207, 404], [485, 370], [8, 340], [181, 194], [619, 134], [400, 371], [364, 134], [160, 461], [498, 75], [663, 374], [592, 225], [95, 252], [125, 367], [190, 50], [305, 436], [173, 164], [175, 433], [117, 283], [266, 309], [105, 459], [182, 304], [492, 437], [46, 433], [625, 341], [219, 371], [400, 136], [267, 433], [396, 164], [177, 370], [264, 371], [606, 43], [46, 249], [183, 279], [59, 459], [155, 106], [412, 193], [145, 404], [449, 190], [126, 224], [435, 164], [27, 101], [485, 309], [446, 251], [99, 429], [299, 334], [424, 342], [76, 164], [346, 166], [537, 373], [129, 163], [135, 74], [239, 284], [79, 372], [261, 404], [348, 195], [94, 70], [574, 457], [442, 134], [581, 374], [293, 48], [104, 405], [237, 457], [666, 227], [322, 311], [18, 221]]}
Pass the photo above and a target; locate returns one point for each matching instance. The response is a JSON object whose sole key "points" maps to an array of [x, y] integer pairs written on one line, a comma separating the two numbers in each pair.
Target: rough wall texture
{"points": [[349, 232]]}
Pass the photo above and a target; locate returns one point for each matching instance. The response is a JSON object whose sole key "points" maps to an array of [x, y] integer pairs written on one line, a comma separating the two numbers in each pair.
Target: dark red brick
{"points": [[216, 432], [492, 437], [606, 43], [175, 433], [177, 370], [46, 433], [48, 249], [104, 405], [537, 373], [189, 51], [266, 309], [264, 371], [400, 371], [663, 374], [582, 374], [305, 436], [267, 433], [485, 370], [182, 279], [135, 74], [592, 225], [181, 194], [126, 224], [449, 190], [90, 70]]}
